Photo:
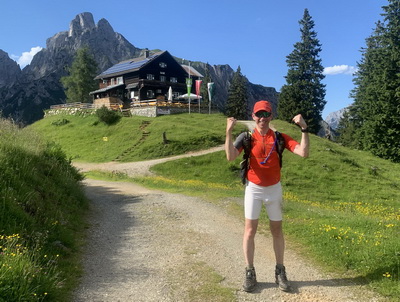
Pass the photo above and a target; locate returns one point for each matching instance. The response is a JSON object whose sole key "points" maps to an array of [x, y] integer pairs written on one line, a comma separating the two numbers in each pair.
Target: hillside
{"points": [[132, 139], [41, 218], [342, 205]]}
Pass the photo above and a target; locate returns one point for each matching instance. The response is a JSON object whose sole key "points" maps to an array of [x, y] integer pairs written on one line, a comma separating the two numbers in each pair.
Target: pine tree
{"points": [[304, 92], [81, 77], [350, 126], [236, 105], [375, 117], [347, 129]]}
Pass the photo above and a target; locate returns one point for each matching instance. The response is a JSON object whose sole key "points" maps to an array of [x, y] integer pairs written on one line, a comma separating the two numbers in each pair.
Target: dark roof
{"points": [[127, 66], [105, 89], [137, 63], [192, 71], [133, 85]]}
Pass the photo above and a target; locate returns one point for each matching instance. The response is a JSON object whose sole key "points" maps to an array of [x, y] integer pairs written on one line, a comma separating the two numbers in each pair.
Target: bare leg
{"points": [[250, 229], [278, 240]]}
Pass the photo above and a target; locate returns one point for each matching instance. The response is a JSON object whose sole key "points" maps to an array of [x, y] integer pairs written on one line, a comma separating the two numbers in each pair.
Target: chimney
{"points": [[146, 53]]}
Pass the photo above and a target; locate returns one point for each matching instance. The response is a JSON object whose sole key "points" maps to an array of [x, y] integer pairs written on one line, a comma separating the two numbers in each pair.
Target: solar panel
{"points": [[127, 65]]}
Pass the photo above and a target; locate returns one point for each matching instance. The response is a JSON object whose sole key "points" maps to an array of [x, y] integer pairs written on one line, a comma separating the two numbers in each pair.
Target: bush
{"points": [[108, 116], [60, 122]]}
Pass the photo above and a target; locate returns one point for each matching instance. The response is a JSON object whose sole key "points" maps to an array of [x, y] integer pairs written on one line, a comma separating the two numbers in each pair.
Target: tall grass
{"points": [[41, 212]]}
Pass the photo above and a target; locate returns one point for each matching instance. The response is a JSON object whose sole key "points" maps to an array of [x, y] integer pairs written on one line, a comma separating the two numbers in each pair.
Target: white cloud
{"points": [[339, 69], [26, 57]]}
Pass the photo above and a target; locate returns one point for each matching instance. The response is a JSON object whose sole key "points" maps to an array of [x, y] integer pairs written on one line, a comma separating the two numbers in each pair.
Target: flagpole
{"points": [[188, 89], [209, 104], [198, 92], [210, 88], [209, 98], [199, 97]]}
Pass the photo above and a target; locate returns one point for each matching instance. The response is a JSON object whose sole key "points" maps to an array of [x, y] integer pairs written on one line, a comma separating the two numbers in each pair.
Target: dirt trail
{"points": [[147, 245], [138, 168]]}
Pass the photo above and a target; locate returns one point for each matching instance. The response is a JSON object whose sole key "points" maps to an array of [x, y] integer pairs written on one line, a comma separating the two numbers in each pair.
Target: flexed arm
{"points": [[230, 150], [302, 149]]}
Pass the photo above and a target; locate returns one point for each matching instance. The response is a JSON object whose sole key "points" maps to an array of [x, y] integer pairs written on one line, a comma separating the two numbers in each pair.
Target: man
{"points": [[263, 185]]}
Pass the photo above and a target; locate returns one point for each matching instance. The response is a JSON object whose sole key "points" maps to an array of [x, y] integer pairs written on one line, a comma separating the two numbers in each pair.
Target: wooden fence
{"points": [[73, 105]]}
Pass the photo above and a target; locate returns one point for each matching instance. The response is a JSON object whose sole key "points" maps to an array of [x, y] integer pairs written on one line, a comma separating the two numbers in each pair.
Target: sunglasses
{"points": [[261, 114]]}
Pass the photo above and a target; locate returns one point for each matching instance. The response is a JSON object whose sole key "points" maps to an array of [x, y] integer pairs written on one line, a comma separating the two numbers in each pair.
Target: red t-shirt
{"points": [[268, 173]]}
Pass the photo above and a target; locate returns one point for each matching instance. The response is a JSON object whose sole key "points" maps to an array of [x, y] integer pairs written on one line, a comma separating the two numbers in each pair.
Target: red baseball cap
{"points": [[262, 106]]}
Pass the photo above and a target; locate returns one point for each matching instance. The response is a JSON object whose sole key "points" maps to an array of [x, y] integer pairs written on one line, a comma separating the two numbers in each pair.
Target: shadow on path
{"points": [[110, 238]]}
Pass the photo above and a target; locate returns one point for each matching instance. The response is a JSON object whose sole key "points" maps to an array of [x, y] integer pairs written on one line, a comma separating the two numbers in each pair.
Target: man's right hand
{"points": [[230, 150], [230, 124]]}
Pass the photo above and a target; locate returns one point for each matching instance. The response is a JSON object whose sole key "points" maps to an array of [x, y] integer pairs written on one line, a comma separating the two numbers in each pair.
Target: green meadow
{"points": [[341, 205], [42, 211], [84, 138]]}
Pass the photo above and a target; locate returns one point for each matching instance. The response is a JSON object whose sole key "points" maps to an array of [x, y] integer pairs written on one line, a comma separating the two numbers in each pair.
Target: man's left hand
{"points": [[299, 120]]}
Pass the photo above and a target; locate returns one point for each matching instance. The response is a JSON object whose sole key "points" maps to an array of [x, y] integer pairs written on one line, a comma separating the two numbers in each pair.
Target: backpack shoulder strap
{"points": [[247, 144], [280, 145]]}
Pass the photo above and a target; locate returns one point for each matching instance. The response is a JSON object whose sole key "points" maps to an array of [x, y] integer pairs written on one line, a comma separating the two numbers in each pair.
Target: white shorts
{"points": [[256, 195]]}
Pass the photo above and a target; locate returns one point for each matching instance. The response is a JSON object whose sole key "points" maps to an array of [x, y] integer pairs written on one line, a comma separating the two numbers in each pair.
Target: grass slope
{"points": [[41, 216], [341, 205], [132, 139]]}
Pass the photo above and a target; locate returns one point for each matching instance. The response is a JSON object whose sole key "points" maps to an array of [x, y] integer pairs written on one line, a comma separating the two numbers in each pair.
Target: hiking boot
{"points": [[250, 281], [281, 279]]}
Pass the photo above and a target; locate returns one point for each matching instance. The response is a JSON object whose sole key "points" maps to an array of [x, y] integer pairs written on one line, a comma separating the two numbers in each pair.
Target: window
{"points": [[134, 94], [112, 81], [159, 91], [120, 80], [150, 93], [150, 76], [173, 79], [163, 78], [163, 65]]}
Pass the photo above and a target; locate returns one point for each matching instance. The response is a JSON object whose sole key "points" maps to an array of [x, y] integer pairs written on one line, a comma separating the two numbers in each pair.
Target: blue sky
{"points": [[255, 34]]}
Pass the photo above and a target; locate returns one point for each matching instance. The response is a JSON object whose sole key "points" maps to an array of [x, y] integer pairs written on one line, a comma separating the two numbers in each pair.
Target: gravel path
{"points": [[147, 245], [138, 168]]}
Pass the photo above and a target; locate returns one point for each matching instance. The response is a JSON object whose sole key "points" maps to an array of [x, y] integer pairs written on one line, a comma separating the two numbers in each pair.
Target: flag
{"points": [[189, 85], [210, 88], [198, 85], [189, 88]]}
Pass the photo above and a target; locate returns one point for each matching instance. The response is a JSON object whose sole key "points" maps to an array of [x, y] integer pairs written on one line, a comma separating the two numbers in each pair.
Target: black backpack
{"points": [[244, 164]]}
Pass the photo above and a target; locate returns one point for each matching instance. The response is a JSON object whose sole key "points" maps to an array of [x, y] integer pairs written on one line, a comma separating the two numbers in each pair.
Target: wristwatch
{"points": [[304, 130]]}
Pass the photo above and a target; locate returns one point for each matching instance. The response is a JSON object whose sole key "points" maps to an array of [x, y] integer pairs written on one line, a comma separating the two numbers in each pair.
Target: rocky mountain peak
{"points": [[104, 27], [82, 22], [9, 70], [38, 85], [334, 118]]}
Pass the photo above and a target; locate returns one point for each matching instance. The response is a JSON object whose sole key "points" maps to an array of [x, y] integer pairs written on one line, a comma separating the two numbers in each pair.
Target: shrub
{"points": [[60, 122], [108, 116]]}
